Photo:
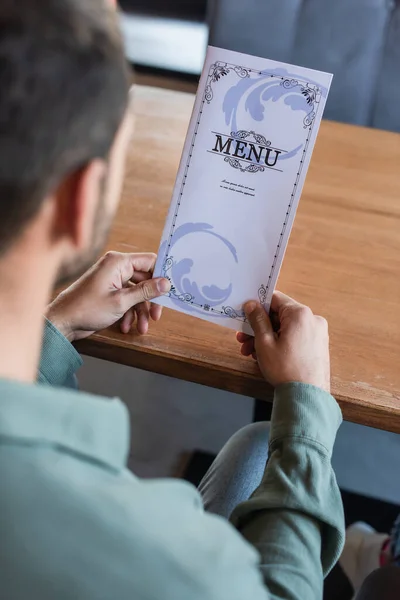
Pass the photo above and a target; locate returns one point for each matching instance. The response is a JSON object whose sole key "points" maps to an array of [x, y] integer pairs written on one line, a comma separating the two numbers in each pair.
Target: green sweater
{"points": [[75, 524]]}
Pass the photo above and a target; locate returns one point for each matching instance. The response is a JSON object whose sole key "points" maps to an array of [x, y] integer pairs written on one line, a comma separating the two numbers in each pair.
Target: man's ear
{"points": [[75, 204]]}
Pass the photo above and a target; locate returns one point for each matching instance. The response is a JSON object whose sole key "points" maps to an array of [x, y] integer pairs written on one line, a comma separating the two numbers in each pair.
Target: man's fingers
{"points": [[127, 321], [243, 337], [127, 264], [143, 317], [247, 348], [258, 319], [155, 312], [143, 292], [145, 261], [281, 301], [139, 276]]}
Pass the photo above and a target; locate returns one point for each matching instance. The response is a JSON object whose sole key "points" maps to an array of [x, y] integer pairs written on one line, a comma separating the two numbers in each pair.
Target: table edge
{"points": [[363, 412]]}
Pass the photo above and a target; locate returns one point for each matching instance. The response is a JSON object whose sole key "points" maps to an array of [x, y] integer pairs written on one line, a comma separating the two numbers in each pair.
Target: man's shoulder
{"points": [[102, 532], [66, 452], [62, 512], [87, 526]]}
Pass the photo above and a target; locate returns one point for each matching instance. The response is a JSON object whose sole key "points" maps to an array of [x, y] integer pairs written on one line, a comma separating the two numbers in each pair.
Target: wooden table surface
{"points": [[343, 260]]}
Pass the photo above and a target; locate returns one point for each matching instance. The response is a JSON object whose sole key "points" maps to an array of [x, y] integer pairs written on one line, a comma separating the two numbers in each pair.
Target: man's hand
{"points": [[299, 352], [118, 286]]}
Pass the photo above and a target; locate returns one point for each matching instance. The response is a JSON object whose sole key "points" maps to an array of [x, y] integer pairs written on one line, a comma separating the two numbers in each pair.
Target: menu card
{"points": [[244, 163]]}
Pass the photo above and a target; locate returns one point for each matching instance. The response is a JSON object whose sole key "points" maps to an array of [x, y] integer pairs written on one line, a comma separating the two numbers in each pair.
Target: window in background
{"points": [[171, 36]]}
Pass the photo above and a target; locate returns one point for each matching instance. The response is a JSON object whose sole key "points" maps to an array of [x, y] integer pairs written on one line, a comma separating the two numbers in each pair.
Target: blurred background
{"points": [[358, 41], [166, 41]]}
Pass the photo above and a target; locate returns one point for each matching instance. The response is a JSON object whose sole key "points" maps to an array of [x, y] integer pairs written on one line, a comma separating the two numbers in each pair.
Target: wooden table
{"points": [[343, 260]]}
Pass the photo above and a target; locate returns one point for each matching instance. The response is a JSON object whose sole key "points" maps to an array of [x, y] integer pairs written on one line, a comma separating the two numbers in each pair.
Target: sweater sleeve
{"points": [[295, 518], [59, 360]]}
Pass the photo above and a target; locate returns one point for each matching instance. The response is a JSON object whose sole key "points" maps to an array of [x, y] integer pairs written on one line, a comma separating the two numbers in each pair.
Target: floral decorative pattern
{"points": [[234, 314], [219, 70], [311, 95], [168, 264], [243, 135], [289, 83], [262, 294], [236, 164]]}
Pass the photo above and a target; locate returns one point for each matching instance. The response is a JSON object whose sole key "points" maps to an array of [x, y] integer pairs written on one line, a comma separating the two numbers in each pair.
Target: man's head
{"points": [[63, 124]]}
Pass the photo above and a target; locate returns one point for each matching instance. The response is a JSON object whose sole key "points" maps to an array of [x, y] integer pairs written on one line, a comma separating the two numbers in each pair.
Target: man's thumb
{"points": [[145, 291], [258, 319]]}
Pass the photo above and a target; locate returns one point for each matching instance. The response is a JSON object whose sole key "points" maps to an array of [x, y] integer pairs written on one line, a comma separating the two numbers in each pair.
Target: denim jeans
{"points": [[237, 471]]}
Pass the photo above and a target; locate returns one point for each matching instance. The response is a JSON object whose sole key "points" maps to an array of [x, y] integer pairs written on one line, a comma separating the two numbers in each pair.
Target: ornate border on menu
{"points": [[218, 70]]}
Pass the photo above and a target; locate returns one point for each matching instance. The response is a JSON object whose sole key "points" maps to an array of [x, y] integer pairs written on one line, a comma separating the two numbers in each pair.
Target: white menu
{"points": [[244, 163]]}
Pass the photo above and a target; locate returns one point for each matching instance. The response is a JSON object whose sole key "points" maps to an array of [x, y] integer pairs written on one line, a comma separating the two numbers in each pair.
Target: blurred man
{"points": [[74, 522]]}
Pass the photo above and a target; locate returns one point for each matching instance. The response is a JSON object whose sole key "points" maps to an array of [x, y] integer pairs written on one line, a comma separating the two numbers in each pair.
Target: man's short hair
{"points": [[63, 94]]}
